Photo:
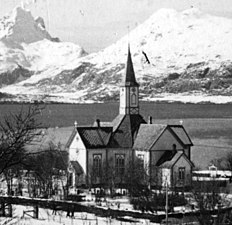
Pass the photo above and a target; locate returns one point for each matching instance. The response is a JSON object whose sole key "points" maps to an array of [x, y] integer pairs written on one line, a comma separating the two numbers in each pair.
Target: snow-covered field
{"points": [[46, 217]]}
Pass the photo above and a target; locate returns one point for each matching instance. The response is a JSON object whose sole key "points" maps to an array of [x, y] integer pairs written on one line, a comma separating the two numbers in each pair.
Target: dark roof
{"points": [[170, 163], [130, 74], [77, 167], [181, 134], [125, 129], [167, 156], [147, 135], [94, 137]]}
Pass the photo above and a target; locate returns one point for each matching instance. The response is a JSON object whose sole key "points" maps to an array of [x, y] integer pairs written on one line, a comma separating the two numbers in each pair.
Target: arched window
{"points": [[97, 162], [120, 164], [133, 99], [181, 173]]}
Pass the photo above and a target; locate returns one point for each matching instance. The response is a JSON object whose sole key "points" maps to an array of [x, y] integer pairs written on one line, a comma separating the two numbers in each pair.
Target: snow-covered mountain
{"points": [[27, 49], [177, 56]]}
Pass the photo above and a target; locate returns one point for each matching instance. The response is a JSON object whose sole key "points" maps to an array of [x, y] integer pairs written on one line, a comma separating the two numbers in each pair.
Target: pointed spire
{"points": [[130, 74]]}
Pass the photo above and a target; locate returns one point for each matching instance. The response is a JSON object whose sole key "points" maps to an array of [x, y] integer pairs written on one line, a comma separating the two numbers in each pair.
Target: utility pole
{"points": [[166, 205]]}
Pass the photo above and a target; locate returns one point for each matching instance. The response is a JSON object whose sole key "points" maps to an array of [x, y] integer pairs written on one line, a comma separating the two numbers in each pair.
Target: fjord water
{"points": [[60, 115], [208, 125]]}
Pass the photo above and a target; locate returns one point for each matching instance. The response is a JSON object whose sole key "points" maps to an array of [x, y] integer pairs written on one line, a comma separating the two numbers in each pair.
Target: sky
{"points": [[95, 24]]}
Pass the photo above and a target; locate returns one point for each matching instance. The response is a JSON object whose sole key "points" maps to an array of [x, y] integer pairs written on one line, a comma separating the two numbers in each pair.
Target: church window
{"points": [[97, 163], [70, 179], [133, 99], [120, 164], [181, 173]]}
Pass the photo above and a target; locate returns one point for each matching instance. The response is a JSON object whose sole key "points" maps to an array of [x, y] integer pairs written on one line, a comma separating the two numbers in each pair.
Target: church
{"points": [[103, 152]]}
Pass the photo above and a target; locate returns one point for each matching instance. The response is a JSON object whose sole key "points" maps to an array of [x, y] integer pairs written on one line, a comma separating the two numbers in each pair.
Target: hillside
{"points": [[178, 56]]}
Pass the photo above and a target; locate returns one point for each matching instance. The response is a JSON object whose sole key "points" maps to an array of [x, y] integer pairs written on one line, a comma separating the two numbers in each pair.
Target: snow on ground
{"points": [[45, 53], [46, 217], [79, 97], [190, 98]]}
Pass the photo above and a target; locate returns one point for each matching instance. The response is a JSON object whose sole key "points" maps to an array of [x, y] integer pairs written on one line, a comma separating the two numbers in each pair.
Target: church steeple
{"points": [[130, 74], [129, 90]]}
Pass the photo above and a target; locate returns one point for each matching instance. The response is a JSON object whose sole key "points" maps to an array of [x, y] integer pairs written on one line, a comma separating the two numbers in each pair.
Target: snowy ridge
{"points": [[188, 55], [25, 43], [20, 27]]}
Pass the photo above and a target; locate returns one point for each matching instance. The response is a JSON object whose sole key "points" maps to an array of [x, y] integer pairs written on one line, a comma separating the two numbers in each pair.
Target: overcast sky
{"points": [[95, 24]]}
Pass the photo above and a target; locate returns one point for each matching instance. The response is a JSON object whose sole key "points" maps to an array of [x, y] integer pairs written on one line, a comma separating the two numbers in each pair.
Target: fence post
{"points": [[36, 212], [10, 210], [3, 209]]}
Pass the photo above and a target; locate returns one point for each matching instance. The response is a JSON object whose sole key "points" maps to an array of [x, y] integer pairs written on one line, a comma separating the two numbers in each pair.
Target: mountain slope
{"points": [[27, 49], [176, 55]]}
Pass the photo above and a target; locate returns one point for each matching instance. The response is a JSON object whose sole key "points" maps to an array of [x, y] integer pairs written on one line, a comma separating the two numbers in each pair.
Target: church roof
{"points": [[181, 134], [77, 167], [170, 163], [130, 74], [125, 129], [147, 135], [166, 157], [95, 137]]}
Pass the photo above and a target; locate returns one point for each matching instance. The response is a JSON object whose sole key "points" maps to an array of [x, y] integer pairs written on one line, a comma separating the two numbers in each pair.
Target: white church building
{"points": [[104, 150]]}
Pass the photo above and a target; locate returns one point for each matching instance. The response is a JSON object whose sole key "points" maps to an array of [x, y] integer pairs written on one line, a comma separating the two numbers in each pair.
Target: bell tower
{"points": [[129, 90]]}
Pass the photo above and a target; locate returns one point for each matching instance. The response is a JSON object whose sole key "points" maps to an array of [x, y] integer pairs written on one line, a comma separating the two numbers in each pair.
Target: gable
{"points": [[166, 141], [147, 135], [183, 162], [77, 142], [75, 146]]}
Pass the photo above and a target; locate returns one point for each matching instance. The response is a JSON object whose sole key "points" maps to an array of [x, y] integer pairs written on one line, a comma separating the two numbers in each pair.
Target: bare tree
{"points": [[228, 161], [137, 178], [48, 167], [210, 202], [16, 132], [108, 176]]}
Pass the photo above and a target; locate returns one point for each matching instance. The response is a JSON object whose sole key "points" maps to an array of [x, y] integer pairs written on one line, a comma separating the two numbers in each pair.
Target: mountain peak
{"points": [[173, 53], [19, 12], [20, 27], [193, 12], [167, 13]]}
